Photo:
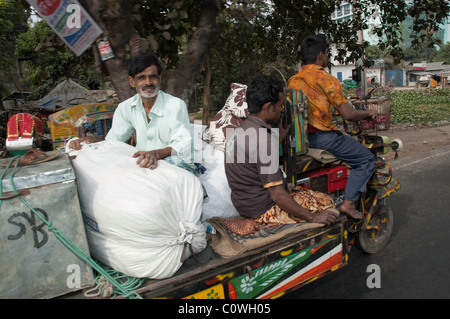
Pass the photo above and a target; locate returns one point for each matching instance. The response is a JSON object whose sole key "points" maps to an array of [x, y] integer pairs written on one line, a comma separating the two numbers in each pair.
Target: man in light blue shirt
{"points": [[161, 121]]}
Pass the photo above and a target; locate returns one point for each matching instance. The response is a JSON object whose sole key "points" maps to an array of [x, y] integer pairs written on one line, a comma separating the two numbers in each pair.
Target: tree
{"points": [[243, 48], [426, 15], [13, 21], [443, 55], [51, 61], [244, 36], [164, 25]]}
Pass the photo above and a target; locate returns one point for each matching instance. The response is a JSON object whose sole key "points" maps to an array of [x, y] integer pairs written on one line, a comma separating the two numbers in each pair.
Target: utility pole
{"points": [[361, 85], [359, 74]]}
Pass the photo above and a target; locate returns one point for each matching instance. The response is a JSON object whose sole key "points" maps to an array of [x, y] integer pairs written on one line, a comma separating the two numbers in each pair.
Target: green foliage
{"points": [[240, 50], [443, 55], [253, 35], [165, 26], [13, 17], [415, 106], [420, 106], [51, 61]]}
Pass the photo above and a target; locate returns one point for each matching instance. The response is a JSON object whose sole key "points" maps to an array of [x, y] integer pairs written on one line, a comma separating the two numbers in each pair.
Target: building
{"points": [[408, 76], [344, 13], [421, 73], [343, 72]]}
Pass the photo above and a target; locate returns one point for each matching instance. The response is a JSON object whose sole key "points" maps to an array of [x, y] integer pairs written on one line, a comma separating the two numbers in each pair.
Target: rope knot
{"points": [[103, 288], [185, 234]]}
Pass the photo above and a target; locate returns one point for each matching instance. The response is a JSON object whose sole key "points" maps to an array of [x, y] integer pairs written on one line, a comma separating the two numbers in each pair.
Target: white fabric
{"points": [[214, 179], [231, 115], [139, 221]]}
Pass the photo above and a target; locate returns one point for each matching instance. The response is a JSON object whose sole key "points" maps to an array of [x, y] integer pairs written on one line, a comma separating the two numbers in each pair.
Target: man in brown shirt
{"points": [[252, 158]]}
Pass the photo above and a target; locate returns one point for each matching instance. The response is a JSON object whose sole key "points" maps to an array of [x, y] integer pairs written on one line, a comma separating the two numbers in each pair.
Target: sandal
{"points": [[34, 156]]}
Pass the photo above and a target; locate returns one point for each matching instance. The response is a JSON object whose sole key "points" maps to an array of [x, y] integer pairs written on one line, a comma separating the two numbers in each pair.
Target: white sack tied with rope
{"points": [[140, 222]]}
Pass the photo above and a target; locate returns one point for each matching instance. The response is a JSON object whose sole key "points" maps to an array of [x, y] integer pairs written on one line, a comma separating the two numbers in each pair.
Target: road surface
{"points": [[415, 264]]}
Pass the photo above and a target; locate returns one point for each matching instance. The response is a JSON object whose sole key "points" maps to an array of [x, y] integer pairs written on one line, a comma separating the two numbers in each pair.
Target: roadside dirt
{"points": [[417, 138]]}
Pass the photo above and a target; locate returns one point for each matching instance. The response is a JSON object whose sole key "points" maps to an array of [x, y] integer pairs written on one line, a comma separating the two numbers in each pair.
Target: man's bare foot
{"points": [[348, 208]]}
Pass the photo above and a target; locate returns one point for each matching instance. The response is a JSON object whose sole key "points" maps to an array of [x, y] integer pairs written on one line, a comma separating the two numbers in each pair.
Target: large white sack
{"points": [[214, 179], [139, 221]]}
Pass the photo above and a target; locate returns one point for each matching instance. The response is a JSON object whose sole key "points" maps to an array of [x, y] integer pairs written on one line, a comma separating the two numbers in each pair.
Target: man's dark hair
{"points": [[261, 90], [311, 47], [141, 62]]}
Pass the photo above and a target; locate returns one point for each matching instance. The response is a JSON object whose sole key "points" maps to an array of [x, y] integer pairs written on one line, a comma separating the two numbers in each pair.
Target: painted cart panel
{"points": [[261, 274], [66, 124], [297, 104]]}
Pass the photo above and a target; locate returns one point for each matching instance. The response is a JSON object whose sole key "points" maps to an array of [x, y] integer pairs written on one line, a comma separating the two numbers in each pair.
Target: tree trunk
{"points": [[206, 90], [180, 82], [114, 18]]}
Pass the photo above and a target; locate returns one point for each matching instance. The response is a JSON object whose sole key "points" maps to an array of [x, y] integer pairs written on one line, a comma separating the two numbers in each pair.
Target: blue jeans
{"points": [[360, 159]]}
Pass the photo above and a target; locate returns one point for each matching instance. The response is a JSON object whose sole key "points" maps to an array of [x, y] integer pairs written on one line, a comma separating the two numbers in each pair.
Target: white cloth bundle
{"points": [[139, 221], [214, 179]]}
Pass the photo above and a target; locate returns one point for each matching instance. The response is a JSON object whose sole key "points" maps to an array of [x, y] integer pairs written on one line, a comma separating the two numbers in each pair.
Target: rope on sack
{"points": [[105, 289], [108, 276], [186, 233]]}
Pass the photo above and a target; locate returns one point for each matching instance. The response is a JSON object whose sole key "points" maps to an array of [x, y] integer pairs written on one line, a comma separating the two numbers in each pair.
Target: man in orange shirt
{"points": [[323, 90]]}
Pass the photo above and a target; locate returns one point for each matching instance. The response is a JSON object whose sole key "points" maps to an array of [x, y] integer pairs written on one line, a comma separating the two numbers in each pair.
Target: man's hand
{"points": [[283, 131], [285, 201], [349, 113], [76, 144], [373, 114], [325, 217], [146, 159]]}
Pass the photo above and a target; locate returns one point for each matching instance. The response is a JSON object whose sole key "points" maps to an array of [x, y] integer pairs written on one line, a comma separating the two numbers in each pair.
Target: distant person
{"points": [[323, 91], [434, 80]]}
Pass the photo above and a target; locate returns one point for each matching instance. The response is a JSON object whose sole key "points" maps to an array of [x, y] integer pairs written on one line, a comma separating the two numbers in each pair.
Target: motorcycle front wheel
{"points": [[379, 230]]}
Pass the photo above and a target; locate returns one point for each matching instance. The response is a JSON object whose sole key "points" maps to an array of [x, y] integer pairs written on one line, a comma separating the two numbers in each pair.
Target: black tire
{"points": [[373, 241]]}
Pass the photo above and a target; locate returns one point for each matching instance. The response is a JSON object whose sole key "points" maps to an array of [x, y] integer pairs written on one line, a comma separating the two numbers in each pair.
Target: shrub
{"points": [[420, 106]]}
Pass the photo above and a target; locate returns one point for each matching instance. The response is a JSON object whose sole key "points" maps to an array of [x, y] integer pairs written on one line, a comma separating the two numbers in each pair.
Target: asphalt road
{"points": [[415, 263]]}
